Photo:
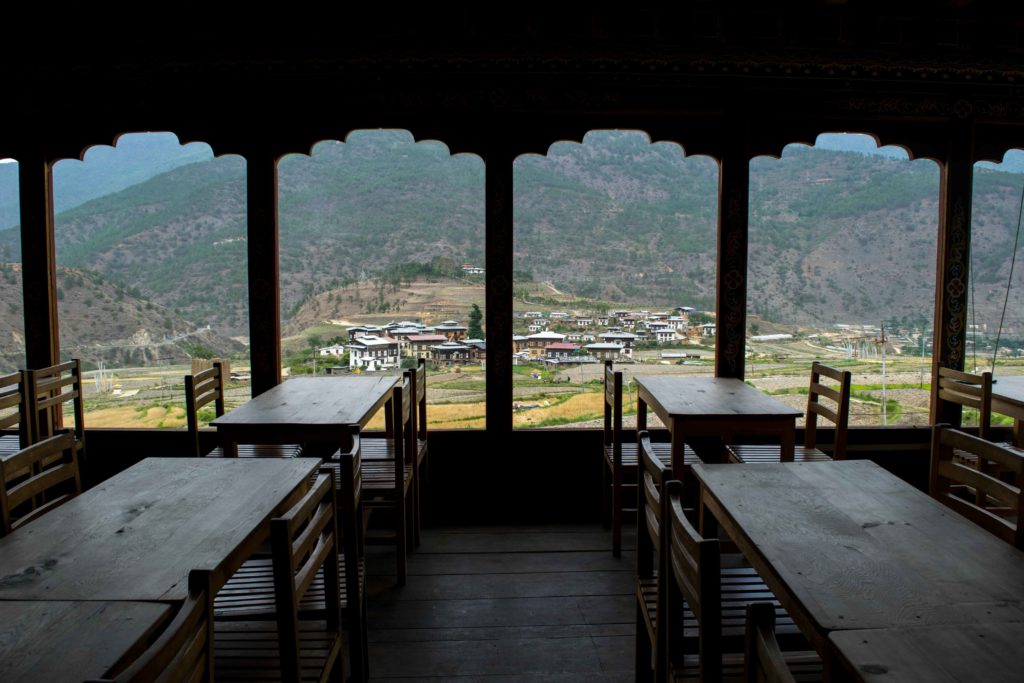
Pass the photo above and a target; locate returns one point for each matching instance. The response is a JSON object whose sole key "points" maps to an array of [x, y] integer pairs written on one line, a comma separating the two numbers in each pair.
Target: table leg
{"points": [[229, 446], [1018, 432], [787, 442], [678, 449], [641, 414]]}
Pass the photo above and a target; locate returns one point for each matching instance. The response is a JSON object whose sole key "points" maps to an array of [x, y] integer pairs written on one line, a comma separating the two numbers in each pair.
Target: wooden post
{"points": [[38, 260], [952, 274], [264, 276], [498, 236], [731, 292]]}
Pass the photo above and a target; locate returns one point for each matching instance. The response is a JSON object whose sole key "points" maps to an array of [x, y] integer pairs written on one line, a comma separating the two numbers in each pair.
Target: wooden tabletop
{"points": [[310, 407], [137, 535], [846, 545], [55, 640], [710, 397], [964, 653]]}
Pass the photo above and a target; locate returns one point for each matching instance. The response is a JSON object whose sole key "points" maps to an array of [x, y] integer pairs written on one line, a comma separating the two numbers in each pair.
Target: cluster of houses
{"points": [[378, 348], [445, 345]]}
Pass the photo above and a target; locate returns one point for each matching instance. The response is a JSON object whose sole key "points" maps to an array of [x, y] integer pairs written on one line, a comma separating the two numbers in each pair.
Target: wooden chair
{"points": [[46, 392], [304, 544], [995, 505], [184, 650], [13, 414], [765, 662], [706, 599], [206, 387], [45, 476], [620, 459], [389, 477], [651, 543], [839, 416], [249, 593]]}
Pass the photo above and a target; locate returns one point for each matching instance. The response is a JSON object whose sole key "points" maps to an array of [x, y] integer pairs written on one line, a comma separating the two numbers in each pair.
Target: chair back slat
{"points": [[969, 390], [47, 390], [694, 563], [996, 505], [184, 650], [37, 479], [838, 415]]}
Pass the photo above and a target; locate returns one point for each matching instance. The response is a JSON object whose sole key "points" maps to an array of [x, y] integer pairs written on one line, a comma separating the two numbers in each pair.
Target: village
{"points": [[554, 338]]}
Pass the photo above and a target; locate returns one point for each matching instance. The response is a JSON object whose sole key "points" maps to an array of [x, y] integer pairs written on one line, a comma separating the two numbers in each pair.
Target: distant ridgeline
{"points": [[836, 236]]}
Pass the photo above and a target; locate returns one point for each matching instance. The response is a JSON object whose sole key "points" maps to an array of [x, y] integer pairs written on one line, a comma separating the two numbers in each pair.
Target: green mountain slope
{"points": [[835, 236]]}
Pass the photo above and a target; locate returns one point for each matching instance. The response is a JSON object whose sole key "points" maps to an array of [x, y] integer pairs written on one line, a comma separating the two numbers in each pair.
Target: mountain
{"points": [[136, 158], [835, 235], [100, 321]]}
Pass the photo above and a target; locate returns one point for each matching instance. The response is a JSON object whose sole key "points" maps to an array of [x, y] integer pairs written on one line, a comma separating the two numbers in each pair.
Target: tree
{"points": [[475, 331]]}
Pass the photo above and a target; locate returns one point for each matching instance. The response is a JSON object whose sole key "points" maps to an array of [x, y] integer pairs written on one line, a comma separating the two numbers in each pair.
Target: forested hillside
{"points": [[836, 236]]}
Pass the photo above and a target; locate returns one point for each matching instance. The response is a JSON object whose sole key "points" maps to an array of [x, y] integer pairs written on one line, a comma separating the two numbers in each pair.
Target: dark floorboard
{"points": [[504, 604]]}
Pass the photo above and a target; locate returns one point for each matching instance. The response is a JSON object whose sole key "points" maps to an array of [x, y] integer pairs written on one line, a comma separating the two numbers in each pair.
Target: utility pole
{"points": [[884, 403]]}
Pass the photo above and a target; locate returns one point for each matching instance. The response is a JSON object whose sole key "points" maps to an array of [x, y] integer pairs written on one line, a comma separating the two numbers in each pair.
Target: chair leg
{"points": [[400, 540], [606, 496], [617, 514], [643, 648], [419, 508]]}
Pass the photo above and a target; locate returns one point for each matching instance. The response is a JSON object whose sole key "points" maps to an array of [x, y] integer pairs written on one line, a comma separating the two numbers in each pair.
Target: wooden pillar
{"points": [[498, 235], [264, 275], [38, 260], [953, 260], [731, 293]]}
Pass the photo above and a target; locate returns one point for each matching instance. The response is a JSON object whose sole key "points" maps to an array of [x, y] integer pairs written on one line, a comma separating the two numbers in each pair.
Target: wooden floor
{"points": [[504, 604]]}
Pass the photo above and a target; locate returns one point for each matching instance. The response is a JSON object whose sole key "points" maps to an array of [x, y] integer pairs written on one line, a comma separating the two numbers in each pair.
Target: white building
{"points": [[374, 353], [335, 350]]}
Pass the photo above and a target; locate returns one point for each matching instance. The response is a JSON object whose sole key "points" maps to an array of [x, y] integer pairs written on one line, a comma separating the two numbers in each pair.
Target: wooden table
{"points": [[1008, 399], [137, 535], [942, 654], [57, 640], [846, 546], [713, 406], [304, 409]]}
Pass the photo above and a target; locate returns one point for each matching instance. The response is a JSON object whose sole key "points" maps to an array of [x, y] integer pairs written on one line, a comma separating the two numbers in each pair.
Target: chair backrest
{"points": [[13, 406], [349, 489], [997, 505], [303, 542], [47, 390], [418, 375], [694, 564], [650, 532], [37, 479], [613, 411], [839, 416], [972, 391], [184, 650], [201, 389], [764, 662]]}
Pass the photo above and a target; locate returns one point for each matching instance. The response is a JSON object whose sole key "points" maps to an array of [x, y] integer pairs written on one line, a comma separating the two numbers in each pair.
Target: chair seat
{"points": [[805, 666], [755, 453], [379, 478], [9, 445], [249, 650], [249, 593], [631, 459], [271, 450]]}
